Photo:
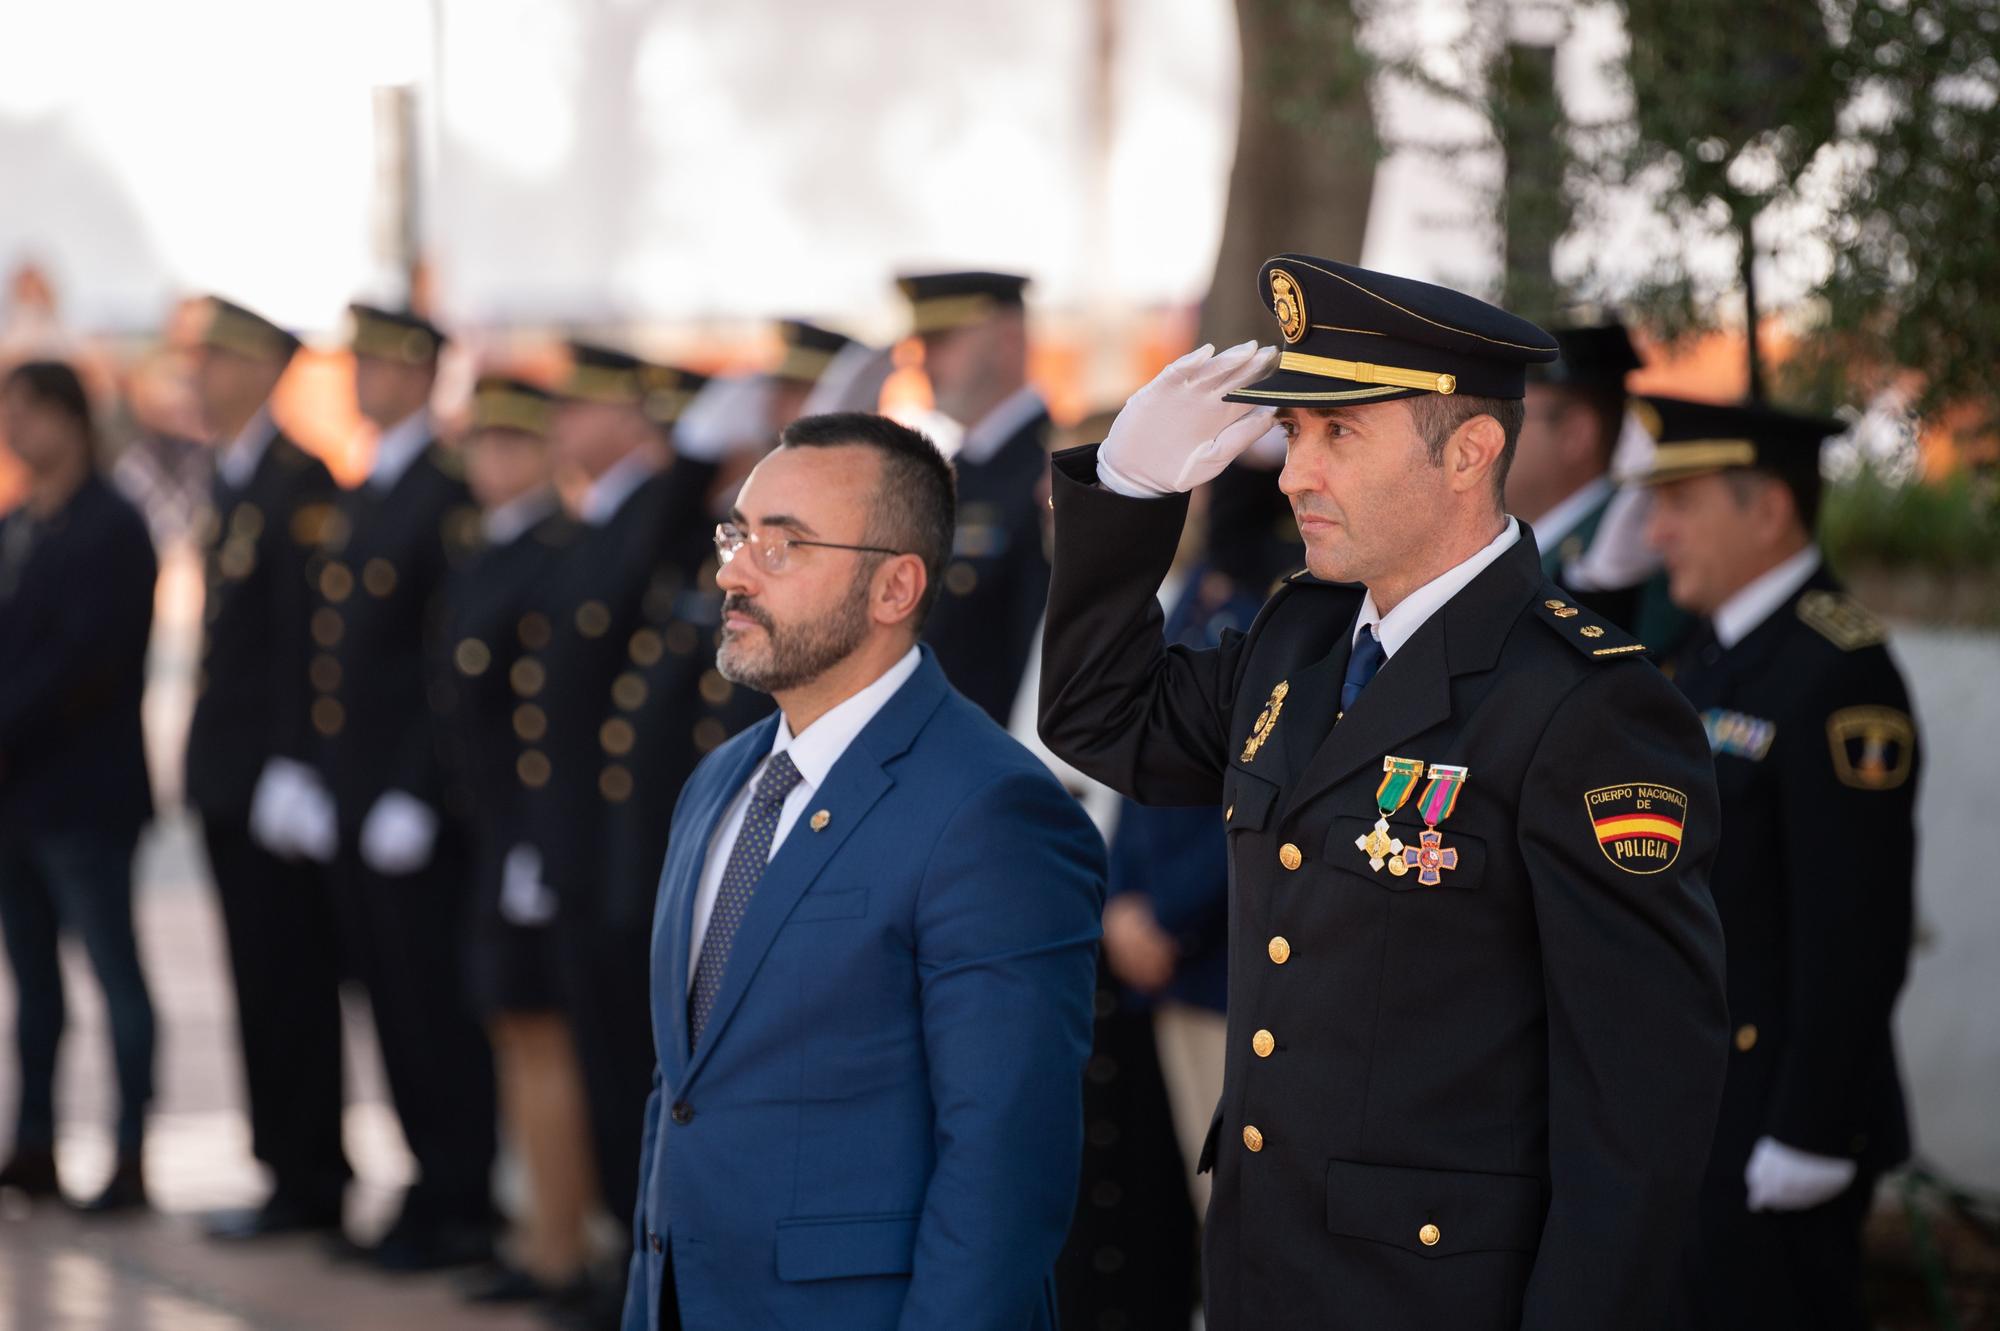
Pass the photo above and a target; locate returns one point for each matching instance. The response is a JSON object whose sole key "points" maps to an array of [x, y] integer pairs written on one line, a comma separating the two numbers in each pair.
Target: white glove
{"points": [[729, 413], [291, 815], [525, 899], [1177, 432], [398, 834], [852, 380], [1784, 1179]]}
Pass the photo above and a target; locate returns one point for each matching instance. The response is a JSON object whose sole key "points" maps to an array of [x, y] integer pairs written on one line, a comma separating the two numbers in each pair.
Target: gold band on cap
{"points": [[804, 364], [595, 383], [941, 313], [1694, 455], [1363, 372], [510, 411], [392, 341], [229, 331]]}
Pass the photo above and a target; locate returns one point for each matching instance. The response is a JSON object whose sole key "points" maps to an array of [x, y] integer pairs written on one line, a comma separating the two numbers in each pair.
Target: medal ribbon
{"points": [[1399, 780], [1441, 796]]}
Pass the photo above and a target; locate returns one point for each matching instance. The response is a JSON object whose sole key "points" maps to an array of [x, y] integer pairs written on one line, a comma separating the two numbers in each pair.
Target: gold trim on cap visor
{"points": [[388, 341], [1700, 455], [510, 411], [940, 313], [1364, 372], [803, 363], [594, 383]]}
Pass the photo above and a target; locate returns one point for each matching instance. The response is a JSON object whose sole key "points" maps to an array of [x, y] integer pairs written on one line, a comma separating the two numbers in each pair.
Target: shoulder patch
{"points": [[1873, 747], [1582, 629], [1841, 620]]}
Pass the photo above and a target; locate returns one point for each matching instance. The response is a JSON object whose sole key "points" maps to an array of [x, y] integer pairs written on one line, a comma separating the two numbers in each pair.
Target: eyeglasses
{"points": [[774, 553]]}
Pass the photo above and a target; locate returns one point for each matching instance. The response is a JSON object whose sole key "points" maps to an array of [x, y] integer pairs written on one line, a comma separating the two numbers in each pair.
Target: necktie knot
{"points": [[1362, 663], [779, 776]]}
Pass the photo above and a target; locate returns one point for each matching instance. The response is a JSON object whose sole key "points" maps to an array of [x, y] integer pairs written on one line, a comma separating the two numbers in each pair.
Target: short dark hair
{"points": [[56, 384], [1804, 485], [1438, 416], [916, 508], [1607, 411]]}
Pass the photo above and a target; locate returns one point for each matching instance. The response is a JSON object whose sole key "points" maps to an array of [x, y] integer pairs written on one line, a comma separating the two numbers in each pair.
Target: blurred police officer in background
{"points": [[76, 609], [263, 821], [1817, 759], [400, 867], [578, 684], [974, 329], [490, 604]]}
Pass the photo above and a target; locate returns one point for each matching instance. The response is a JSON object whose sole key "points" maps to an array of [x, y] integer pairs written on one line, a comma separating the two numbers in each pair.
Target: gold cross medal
{"points": [[1267, 720], [1399, 779]]}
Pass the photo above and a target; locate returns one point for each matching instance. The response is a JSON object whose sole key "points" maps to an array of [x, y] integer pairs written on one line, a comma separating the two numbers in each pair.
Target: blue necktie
{"points": [[1362, 663], [747, 859]]}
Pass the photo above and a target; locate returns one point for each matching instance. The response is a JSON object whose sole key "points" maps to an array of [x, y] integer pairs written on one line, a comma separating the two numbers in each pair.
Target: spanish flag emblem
{"points": [[1638, 826]]}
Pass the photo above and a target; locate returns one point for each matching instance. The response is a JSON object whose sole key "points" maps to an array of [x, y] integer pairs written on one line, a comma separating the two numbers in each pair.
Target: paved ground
{"points": [[61, 1273]]}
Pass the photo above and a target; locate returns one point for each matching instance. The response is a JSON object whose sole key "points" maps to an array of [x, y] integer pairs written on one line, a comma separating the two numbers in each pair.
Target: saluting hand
{"points": [[1177, 432]]}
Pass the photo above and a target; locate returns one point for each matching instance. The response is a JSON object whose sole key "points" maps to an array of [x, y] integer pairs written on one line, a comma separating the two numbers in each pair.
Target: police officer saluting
{"points": [[1816, 757], [400, 868], [1476, 1032]]}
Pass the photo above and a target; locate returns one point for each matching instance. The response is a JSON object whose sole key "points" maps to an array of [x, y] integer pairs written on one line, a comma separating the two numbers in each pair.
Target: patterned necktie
{"points": [[747, 859], [1362, 663]]}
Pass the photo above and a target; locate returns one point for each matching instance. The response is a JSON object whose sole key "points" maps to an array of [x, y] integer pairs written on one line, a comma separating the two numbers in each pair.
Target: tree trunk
{"points": [[1747, 230], [1305, 155], [1534, 209]]}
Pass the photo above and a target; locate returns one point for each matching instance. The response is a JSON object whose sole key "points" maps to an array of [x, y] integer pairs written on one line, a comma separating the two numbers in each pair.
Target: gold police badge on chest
{"points": [[1267, 720]]}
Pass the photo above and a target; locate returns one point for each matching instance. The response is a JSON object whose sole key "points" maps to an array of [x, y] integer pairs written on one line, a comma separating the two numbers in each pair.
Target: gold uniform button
{"points": [[1429, 1236], [1280, 949], [960, 578], [328, 716], [472, 657], [533, 769], [1290, 856], [708, 732], [1229, 813], [628, 691], [324, 673], [379, 577], [533, 630], [616, 737], [327, 626], [336, 584], [531, 723], [715, 689], [1746, 1039], [527, 676], [593, 618], [1591, 631], [1253, 1138], [1554, 605], [615, 783], [645, 647], [1263, 1042]]}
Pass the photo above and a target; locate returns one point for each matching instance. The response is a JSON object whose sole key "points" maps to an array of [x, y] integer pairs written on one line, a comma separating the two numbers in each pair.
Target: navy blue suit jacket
{"points": [[883, 1123]]}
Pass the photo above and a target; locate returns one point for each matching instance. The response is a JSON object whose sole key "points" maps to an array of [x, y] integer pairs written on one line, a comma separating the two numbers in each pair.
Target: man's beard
{"points": [[797, 654]]}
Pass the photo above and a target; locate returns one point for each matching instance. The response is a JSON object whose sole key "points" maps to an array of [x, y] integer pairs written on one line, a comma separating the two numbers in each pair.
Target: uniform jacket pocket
{"points": [[1247, 801], [1434, 1212], [833, 1247], [1466, 855]]}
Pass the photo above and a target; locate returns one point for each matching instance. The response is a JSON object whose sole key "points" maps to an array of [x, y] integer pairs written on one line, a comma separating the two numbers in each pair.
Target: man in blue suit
{"points": [[873, 949]]}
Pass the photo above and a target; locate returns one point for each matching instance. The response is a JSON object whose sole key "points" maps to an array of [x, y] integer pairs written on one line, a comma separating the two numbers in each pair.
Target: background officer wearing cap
{"points": [[1476, 1092], [511, 974], [247, 750], [1816, 757], [1560, 480], [975, 334], [577, 686], [400, 867]]}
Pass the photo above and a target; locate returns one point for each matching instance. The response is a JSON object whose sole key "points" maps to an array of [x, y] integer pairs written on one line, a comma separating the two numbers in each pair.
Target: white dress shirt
{"points": [[1758, 599], [814, 753], [239, 458], [400, 445], [999, 425], [1401, 624], [608, 493]]}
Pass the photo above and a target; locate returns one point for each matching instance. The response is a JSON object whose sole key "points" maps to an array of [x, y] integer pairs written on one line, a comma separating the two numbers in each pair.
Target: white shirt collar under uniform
{"points": [[814, 753], [1760, 598], [608, 493], [1401, 624], [503, 525], [400, 445], [999, 425], [1570, 512], [238, 460]]}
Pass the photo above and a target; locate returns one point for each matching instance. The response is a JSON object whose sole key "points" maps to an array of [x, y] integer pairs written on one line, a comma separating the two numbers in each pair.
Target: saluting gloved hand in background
{"points": [[1177, 433], [399, 834]]}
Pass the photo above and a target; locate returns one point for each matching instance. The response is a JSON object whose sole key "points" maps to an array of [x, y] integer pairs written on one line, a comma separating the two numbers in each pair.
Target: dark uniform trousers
{"points": [[1817, 759], [1481, 1100], [379, 578], [997, 580], [611, 618], [277, 915]]}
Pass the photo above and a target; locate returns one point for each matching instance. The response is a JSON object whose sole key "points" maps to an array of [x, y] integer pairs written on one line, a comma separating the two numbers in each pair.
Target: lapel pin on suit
{"points": [[820, 820]]}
